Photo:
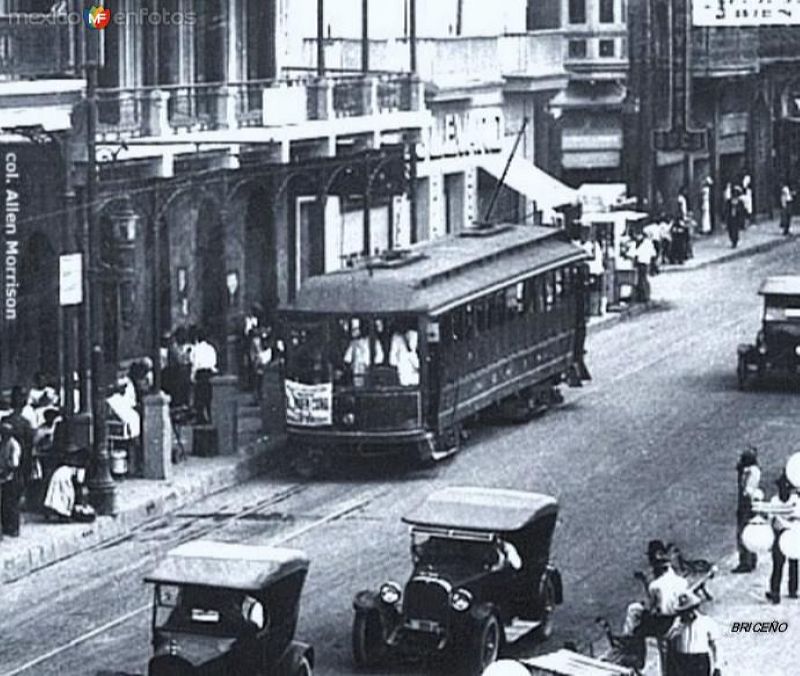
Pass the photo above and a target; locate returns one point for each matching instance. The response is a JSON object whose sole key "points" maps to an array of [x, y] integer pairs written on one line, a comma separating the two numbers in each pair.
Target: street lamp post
{"points": [[102, 490]]}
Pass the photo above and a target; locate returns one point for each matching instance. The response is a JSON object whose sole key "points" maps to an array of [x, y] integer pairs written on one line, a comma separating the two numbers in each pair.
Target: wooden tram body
{"points": [[499, 319]]}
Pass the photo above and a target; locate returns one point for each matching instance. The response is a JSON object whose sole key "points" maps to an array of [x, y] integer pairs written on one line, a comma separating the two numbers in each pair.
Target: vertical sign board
{"points": [[717, 13], [70, 278], [12, 208]]}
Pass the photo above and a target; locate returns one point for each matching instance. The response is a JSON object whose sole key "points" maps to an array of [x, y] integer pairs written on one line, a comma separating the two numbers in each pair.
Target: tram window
{"points": [[549, 292], [558, 278], [307, 361], [470, 322], [497, 307], [515, 300], [364, 348]]}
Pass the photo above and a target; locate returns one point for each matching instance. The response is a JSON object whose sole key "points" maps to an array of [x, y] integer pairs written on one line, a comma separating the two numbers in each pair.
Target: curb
{"points": [[731, 255], [610, 320], [255, 460]]}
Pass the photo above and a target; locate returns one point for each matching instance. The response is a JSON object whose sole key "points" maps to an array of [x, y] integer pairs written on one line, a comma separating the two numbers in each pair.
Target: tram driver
{"points": [[405, 357]]}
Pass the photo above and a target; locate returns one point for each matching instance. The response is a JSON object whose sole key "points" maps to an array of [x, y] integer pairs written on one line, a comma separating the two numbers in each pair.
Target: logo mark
{"points": [[97, 17]]}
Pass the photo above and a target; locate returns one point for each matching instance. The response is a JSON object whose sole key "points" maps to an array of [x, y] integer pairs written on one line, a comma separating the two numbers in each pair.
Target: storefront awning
{"points": [[529, 180], [582, 95]]}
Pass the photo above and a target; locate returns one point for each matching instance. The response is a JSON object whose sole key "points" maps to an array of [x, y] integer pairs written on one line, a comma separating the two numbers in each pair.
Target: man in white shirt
{"points": [[663, 595], [358, 356], [643, 256], [786, 497], [692, 640], [204, 365], [404, 357]]}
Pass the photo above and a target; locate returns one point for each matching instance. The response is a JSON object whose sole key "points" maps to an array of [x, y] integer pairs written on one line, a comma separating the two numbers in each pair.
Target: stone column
{"points": [[226, 107], [157, 437], [320, 97], [224, 412], [369, 95], [157, 123]]}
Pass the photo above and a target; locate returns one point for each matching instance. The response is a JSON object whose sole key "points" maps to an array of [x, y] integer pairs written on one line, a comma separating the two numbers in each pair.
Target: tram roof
{"points": [[433, 276]]}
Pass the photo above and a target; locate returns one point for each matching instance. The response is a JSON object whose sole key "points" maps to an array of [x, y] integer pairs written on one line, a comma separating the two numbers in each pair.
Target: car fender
{"points": [[552, 574], [367, 601], [290, 660], [746, 351], [480, 611]]}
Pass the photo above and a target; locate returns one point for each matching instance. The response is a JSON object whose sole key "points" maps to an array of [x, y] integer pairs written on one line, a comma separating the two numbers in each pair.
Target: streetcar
{"points": [[396, 354]]}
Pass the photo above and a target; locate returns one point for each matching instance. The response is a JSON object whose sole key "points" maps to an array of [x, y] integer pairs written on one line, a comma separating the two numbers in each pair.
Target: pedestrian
{"points": [[737, 216], [643, 256], [683, 205], [204, 366], [692, 640], [748, 478], [747, 199], [22, 428], [787, 499], [706, 225], [10, 480], [786, 208]]}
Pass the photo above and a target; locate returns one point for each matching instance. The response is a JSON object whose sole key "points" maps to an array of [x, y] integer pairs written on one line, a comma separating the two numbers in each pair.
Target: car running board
{"points": [[519, 628]]}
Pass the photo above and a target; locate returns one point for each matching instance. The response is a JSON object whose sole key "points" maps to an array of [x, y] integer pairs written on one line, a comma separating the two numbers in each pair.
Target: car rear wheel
{"points": [[304, 667], [369, 649], [485, 645]]}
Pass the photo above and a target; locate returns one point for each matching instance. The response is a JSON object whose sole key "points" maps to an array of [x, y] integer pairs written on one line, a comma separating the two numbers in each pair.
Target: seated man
{"points": [[508, 557], [655, 617]]}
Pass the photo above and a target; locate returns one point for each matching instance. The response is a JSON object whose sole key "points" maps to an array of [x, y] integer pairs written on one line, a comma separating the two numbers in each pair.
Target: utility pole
{"points": [[102, 490], [321, 38], [364, 36], [413, 82]]}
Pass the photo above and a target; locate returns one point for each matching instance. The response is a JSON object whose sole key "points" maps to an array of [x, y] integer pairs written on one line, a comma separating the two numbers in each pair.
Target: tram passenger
{"points": [[360, 355], [405, 357]]}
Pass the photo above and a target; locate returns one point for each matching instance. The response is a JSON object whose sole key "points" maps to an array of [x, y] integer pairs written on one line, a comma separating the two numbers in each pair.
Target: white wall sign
{"points": [[745, 12], [70, 279], [472, 132]]}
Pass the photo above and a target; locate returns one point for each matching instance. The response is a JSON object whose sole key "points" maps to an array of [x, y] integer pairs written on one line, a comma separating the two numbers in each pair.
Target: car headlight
{"points": [[797, 350], [762, 349], [461, 600], [349, 419], [390, 593]]}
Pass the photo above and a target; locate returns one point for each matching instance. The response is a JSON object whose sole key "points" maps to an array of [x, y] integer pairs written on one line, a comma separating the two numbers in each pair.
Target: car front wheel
{"points": [[304, 667], [369, 649], [485, 645]]}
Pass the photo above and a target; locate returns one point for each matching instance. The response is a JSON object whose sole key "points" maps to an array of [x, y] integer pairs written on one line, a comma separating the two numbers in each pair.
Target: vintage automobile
{"points": [[777, 346], [228, 609], [481, 577]]}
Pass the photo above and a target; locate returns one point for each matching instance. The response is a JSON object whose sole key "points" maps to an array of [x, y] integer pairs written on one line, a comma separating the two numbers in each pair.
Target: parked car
{"points": [[777, 346], [481, 577], [228, 609]]}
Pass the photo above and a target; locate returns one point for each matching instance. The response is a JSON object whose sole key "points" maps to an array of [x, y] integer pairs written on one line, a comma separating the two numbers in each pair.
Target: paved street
{"points": [[647, 450]]}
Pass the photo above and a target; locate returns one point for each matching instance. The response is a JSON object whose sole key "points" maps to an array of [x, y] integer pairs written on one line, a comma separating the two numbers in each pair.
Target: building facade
{"points": [[222, 179]]}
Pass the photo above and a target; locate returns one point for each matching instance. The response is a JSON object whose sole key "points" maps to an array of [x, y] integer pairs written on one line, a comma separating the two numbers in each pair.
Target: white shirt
{"points": [[665, 591], [645, 252], [693, 638], [786, 196], [358, 355], [204, 357], [781, 522], [403, 355]]}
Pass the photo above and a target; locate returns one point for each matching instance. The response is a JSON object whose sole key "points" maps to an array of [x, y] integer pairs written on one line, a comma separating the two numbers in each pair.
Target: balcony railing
{"points": [[451, 60], [724, 50], [173, 109], [35, 48]]}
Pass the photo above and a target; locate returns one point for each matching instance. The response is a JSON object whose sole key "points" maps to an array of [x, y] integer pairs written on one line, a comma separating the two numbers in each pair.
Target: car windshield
{"points": [[205, 610], [428, 549]]}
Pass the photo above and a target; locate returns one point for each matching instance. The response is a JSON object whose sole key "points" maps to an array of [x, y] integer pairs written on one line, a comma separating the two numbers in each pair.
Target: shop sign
{"points": [[309, 405], [70, 282], [715, 13], [472, 132]]}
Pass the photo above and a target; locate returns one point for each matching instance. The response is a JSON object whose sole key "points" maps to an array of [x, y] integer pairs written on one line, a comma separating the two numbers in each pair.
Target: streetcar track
{"points": [[346, 509]]}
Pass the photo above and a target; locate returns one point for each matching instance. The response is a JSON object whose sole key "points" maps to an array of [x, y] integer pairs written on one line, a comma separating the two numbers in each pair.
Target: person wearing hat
{"points": [[737, 217], [787, 498], [10, 481], [692, 640], [749, 477]]}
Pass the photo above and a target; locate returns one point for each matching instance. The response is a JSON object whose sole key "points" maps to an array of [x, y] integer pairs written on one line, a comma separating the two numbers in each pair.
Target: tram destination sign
{"points": [[713, 13]]}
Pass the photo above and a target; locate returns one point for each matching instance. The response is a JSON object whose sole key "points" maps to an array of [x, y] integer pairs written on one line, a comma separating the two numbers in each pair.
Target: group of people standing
{"points": [[188, 362], [783, 509]]}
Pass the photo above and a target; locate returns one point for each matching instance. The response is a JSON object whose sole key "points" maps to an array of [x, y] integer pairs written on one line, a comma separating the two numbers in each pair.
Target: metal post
{"points": [[367, 205], [364, 36], [412, 39], [157, 328], [102, 490], [321, 38]]}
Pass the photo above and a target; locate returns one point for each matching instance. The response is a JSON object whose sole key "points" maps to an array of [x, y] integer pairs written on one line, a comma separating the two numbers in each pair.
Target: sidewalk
{"points": [[42, 543], [708, 250]]}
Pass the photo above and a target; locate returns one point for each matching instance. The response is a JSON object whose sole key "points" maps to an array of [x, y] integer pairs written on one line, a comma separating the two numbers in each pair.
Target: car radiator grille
{"points": [[427, 600]]}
